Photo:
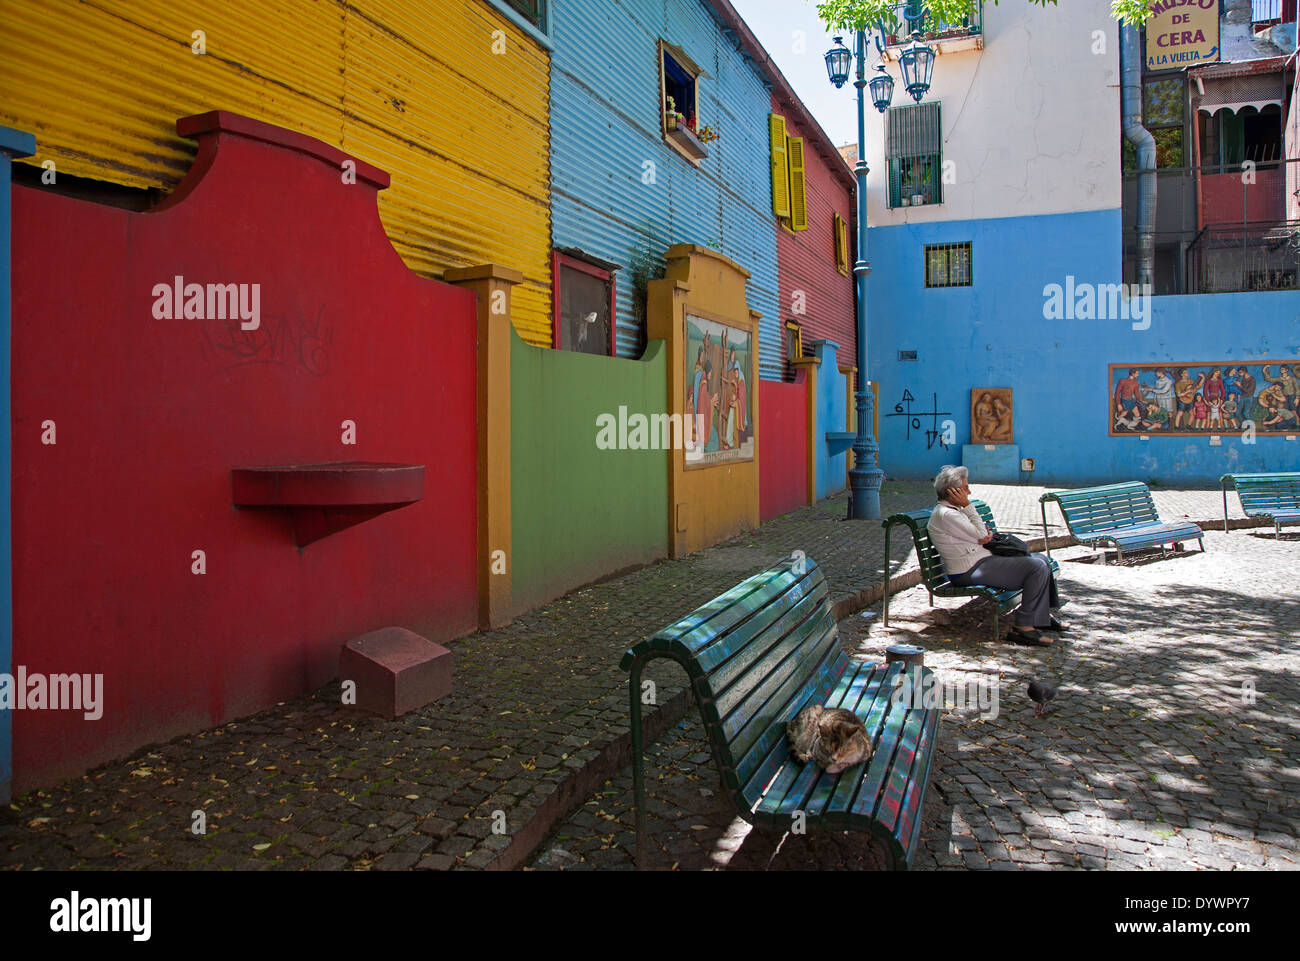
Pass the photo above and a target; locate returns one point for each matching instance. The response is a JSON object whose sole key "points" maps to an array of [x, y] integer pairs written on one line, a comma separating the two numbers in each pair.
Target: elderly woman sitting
{"points": [[959, 535]]}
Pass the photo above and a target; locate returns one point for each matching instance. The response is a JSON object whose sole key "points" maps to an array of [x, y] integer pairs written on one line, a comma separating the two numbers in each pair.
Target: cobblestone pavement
{"points": [[1151, 756], [537, 718]]}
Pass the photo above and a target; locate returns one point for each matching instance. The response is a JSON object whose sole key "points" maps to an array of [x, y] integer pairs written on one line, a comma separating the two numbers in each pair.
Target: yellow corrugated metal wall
{"points": [[412, 86]]}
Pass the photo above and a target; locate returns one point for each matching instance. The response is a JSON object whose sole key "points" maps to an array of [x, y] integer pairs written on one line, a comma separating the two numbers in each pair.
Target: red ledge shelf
{"points": [[322, 499]]}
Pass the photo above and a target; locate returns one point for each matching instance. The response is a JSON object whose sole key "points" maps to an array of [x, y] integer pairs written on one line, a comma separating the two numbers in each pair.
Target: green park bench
{"points": [[755, 657], [933, 574], [1274, 496], [1121, 515]]}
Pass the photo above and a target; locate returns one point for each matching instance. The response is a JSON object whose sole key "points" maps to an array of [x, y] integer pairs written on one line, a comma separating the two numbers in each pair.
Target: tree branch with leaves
{"points": [[865, 14]]}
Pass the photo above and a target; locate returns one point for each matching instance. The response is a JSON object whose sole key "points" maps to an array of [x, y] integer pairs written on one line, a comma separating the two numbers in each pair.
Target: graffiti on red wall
{"points": [[296, 338]]}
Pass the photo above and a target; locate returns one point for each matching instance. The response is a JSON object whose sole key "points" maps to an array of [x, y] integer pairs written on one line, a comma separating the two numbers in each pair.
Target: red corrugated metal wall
{"points": [[806, 259]]}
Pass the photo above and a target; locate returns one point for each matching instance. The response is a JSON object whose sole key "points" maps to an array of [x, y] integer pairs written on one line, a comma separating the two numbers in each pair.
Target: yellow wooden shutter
{"points": [[841, 245], [798, 197], [780, 167]]}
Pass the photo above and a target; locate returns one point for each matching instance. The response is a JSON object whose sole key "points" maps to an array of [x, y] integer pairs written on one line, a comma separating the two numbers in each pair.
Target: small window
{"points": [[948, 265], [793, 340], [1164, 107], [683, 127], [584, 305], [841, 229], [534, 11]]}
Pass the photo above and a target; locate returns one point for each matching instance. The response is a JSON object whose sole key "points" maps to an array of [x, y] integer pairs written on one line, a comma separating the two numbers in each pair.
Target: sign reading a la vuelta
{"points": [[1182, 33]]}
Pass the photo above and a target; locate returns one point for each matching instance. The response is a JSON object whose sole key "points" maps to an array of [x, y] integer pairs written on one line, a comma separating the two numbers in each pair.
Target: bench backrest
{"points": [[932, 570], [1261, 493], [755, 655], [1090, 509]]}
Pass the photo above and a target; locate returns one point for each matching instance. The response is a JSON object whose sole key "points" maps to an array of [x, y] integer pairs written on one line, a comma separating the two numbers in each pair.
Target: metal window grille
{"points": [[914, 151], [1261, 10], [948, 265]]}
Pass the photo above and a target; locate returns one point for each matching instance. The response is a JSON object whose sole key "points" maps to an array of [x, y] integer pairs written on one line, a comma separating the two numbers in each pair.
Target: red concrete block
{"points": [[395, 671]]}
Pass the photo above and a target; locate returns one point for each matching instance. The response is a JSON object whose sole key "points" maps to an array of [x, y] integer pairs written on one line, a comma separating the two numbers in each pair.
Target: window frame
{"points": [[948, 250], [684, 63], [894, 165], [840, 227], [541, 34], [601, 271]]}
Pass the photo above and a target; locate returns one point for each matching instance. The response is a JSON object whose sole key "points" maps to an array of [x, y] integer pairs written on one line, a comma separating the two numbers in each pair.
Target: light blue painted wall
{"points": [[832, 415], [13, 143], [993, 334], [605, 128]]}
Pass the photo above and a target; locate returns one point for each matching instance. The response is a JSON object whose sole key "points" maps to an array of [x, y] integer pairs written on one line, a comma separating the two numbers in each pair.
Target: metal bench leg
{"points": [[638, 775], [1047, 546], [1225, 509], [1120, 552], [996, 632]]}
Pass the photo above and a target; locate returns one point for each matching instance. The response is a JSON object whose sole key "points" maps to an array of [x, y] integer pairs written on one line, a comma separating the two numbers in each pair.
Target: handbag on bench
{"points": [[1008, 545]]}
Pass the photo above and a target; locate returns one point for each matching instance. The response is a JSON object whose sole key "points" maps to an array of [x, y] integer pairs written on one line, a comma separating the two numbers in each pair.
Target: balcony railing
{"points": [[932, 29], [1221, 228], [1225, 259]]}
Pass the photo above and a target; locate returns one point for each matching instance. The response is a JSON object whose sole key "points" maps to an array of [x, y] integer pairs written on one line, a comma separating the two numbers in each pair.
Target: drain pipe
{"points": [[1130, 55]]}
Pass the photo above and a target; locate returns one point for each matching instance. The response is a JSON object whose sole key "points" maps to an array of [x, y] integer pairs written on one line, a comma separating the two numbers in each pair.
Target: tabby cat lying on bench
{"points": [[835, 739]]}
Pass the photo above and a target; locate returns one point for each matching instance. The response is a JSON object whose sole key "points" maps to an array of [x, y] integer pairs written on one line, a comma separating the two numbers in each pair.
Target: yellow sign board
{"points": [[1182, 33]]}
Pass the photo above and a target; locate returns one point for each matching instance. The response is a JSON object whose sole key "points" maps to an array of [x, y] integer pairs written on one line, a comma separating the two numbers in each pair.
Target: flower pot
{"points": [[670, 121], [918, 200], [904, 202]]}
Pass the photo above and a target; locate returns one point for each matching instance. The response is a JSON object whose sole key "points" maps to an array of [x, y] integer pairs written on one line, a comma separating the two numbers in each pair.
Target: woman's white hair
{"points": [[948, 478]]}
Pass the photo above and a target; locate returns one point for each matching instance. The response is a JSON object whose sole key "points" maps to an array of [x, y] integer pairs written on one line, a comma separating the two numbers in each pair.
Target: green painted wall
{"points": [[578, 512]]}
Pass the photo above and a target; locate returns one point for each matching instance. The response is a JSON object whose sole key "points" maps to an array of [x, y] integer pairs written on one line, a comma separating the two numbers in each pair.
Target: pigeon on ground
{"points": [[1040, 694]]}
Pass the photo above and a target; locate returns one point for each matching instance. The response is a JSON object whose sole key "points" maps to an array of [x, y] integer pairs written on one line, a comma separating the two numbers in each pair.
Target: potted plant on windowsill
{"points": [[670, 114], [686, 138]]}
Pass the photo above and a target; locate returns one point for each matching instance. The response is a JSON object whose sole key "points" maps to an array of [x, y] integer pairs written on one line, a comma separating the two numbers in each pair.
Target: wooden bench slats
{"points": [[910, 810], [764, 650], [860, 697], [1274, 496], [889, 808], [696, 631], [1123, 514], [882, 691], [771, 699], [764, 758]]}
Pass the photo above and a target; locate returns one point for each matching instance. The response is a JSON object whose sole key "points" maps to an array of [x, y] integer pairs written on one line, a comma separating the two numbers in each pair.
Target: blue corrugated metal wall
{"points": [[605, 127]]}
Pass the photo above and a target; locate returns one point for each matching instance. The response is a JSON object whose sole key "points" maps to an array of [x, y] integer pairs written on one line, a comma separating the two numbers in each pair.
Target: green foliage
{"points": [[856, 14]]}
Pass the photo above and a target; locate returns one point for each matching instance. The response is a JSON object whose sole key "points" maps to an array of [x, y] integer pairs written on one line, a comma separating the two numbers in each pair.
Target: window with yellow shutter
{"points": [[798, 186], [780, 167], [840, 228], [789, 183]]}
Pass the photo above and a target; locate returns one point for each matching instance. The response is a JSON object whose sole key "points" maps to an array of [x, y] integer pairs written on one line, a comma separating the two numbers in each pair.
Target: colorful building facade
{"points": [[998, 211]]}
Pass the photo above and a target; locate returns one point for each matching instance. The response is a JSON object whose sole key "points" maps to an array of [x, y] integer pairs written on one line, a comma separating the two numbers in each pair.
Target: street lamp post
{"points": [[865, 477]]}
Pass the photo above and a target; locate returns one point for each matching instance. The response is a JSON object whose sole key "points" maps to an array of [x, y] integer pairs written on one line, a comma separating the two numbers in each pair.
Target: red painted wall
{"points": [[1222, 195], [152, 414], [783, 447], [806, 258]]}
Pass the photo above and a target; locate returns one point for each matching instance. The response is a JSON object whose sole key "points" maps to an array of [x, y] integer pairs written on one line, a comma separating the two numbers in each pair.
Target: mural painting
{"points": [[719, 386], [990, 415], [1191, 399]]}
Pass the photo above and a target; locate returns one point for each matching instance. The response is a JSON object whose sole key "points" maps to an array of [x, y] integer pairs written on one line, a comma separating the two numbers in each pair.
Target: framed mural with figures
{"points": [[1192, 399], [719, 363]]}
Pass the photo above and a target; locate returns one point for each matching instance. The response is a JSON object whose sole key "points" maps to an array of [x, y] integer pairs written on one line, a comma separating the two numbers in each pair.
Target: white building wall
{"points": [[1032, 121]]}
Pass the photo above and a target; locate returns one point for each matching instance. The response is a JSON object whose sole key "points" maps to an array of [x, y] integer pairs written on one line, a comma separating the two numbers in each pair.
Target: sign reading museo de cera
{"points": [[1182, 33]]}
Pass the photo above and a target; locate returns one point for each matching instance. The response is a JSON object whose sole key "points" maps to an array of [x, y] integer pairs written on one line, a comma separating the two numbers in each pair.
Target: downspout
{"points": [[1130, 55]]}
